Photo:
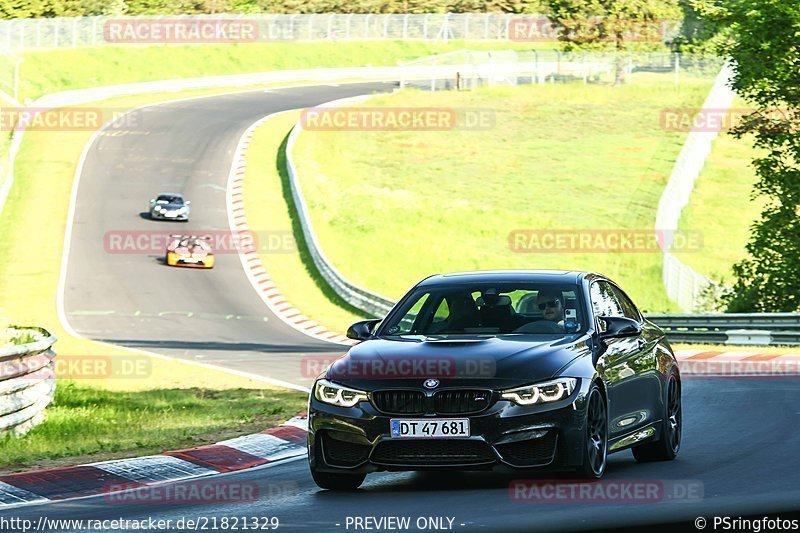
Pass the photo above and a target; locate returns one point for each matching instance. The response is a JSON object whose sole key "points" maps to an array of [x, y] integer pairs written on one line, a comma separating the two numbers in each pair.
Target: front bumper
{"points": [[503, 437], [169, 216]]}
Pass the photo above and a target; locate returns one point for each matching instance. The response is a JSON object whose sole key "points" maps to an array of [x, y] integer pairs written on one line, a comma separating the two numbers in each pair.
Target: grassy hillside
{"points": [[393, 207]]}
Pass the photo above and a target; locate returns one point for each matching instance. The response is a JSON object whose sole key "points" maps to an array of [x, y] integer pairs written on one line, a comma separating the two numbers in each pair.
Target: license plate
{"points": [[423, 428]]}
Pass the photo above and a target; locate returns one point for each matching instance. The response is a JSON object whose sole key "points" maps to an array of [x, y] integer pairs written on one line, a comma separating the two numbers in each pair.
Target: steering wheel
{"points": [[540, 326]]}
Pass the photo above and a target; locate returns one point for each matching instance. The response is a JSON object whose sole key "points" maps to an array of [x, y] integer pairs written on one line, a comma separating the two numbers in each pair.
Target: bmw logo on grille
{"points": [[431, 383]]}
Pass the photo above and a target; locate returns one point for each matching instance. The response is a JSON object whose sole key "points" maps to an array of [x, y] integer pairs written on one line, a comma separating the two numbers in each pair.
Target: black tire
{"points": [[595, 448], [669, 443], [343, 481]]}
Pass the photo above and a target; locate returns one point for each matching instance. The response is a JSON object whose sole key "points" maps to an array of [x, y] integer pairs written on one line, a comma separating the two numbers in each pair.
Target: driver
{"points": [[551, 304]]}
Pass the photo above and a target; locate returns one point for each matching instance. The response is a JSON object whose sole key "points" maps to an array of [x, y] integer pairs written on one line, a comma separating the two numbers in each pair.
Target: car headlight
{"points": [[334, 394], [549, 391], [182, 209]]}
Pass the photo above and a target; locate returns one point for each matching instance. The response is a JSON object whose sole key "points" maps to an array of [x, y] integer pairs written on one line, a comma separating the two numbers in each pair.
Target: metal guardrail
{"points": [[732, 328], [360, 298], [27, 382]]}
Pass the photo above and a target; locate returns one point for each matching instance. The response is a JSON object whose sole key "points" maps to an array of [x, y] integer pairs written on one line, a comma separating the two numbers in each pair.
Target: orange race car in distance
{"points": [[189, 251]]}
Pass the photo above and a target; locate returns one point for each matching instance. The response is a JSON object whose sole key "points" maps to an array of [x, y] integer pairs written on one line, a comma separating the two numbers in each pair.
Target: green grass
{"points": [[721, 207], [393, 207], [85, 422], [59, 70], [269, 208]]}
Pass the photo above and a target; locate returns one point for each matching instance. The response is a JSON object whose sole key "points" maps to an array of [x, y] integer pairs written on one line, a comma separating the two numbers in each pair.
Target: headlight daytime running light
{"points": [[539, 393], [328, 392]]}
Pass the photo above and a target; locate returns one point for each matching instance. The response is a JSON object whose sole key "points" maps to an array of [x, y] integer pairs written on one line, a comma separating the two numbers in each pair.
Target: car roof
{"points": [[499, 276]]}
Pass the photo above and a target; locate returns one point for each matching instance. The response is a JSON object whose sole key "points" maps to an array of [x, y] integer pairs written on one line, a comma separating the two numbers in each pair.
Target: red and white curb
{"points": [[279, 443], [253, 266]]}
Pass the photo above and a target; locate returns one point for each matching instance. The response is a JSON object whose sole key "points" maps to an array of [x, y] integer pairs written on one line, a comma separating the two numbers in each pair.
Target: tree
{"points": [[596, 23], [765, 49]]}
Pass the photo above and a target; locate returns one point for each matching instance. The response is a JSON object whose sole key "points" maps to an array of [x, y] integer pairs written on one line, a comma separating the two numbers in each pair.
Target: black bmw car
{"points": [[502, 370]]}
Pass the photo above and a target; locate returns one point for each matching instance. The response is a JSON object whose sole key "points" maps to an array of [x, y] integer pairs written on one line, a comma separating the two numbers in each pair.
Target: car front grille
{"points": [[530, 452], [430, 452], [456, 402], [400, 402], [445, 402]]}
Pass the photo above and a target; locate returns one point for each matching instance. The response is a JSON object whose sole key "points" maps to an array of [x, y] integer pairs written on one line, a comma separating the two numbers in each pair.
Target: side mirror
{"points": [[361, 331], [152, 200], [617, 327], [188, 202]]}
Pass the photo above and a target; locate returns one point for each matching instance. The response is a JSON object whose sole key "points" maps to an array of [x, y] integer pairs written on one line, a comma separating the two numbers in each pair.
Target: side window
{"points": [[442, 312], [628, 309], [604, 302]]}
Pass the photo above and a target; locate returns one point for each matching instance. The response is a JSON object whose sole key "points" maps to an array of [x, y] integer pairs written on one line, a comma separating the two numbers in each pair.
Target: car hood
{"points": [[486, 362]]}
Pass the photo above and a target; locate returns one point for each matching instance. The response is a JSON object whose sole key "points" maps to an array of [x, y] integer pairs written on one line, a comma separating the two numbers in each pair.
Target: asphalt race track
{"points": [[739, 456], [133, 299], [740, 447]]}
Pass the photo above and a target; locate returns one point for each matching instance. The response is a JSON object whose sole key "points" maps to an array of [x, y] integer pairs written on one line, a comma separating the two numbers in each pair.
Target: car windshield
{"points": [[488, 309], [168, 199]]}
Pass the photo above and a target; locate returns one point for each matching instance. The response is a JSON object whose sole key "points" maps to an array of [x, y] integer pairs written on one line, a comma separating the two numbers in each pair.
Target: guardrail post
{"points": [[425, 26]]}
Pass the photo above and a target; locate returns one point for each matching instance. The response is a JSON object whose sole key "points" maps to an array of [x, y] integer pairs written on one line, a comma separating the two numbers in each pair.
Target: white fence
{"points": [[27, 382], [465, 69], [682, 283], [26, 34]]}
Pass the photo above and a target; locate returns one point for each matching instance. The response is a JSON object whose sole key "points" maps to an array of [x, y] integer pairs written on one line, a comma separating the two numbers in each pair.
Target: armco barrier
{"points": [[732, 328], [27, 382], [367, 301]]}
